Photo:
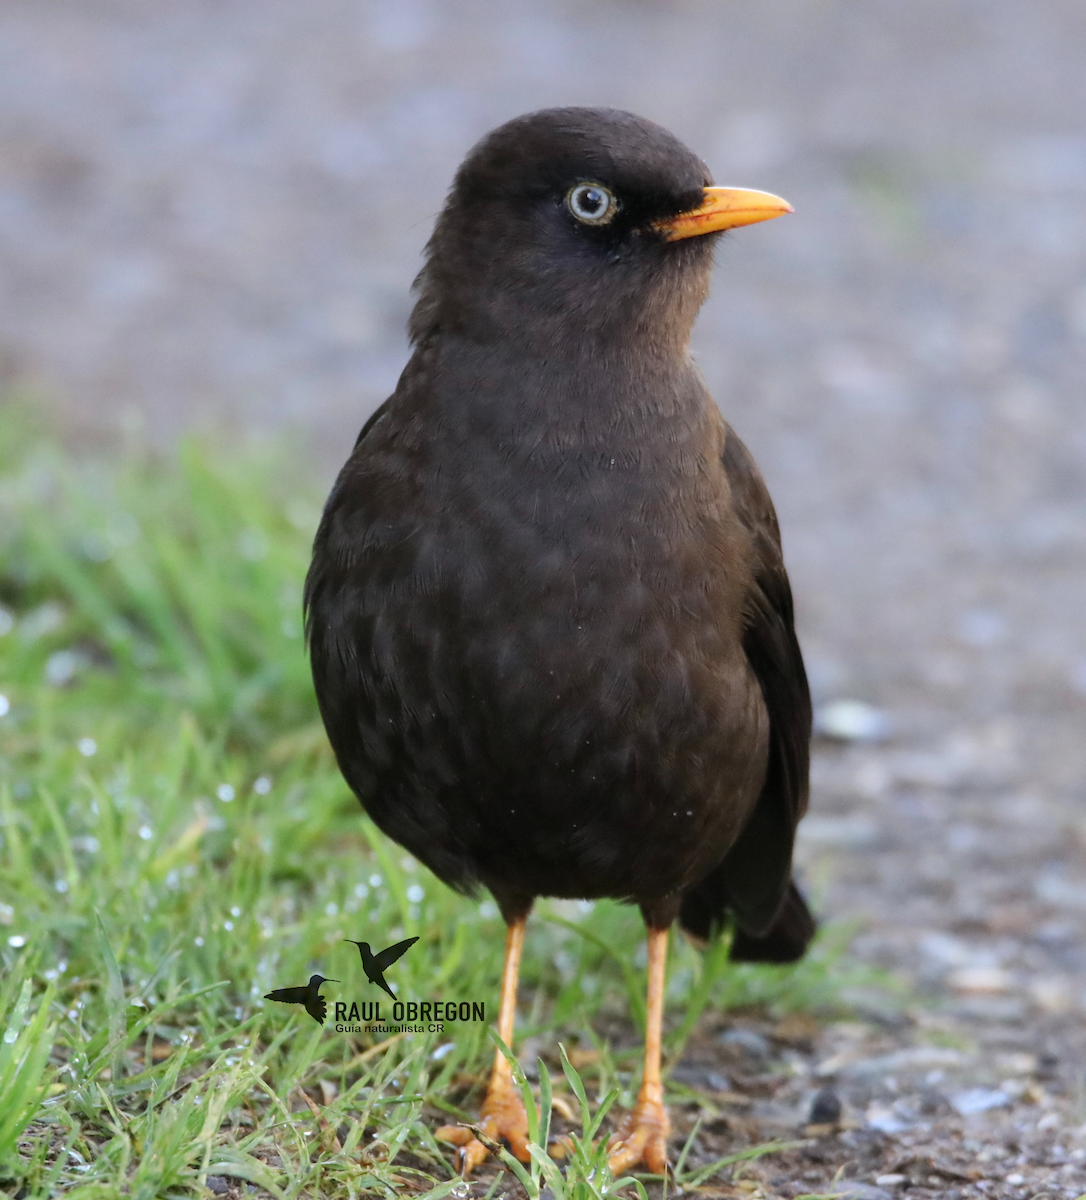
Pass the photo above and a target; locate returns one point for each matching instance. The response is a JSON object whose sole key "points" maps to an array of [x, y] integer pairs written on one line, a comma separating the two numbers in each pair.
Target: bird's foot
{"points": [[503, 1116], [641, 1138]]}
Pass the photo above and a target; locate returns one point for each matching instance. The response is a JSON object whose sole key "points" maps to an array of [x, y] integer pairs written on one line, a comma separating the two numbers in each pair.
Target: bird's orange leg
{"points": [[503, 1114], [642, 1137]]}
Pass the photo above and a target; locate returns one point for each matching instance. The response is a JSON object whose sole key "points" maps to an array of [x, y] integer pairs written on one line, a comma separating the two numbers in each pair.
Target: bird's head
{"points": [[317, 980], [579, 222], [364, 946]]}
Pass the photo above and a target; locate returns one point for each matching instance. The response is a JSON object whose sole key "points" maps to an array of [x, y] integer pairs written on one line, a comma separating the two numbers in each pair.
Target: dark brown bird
{"points": [[309, 996], [550, 625]]}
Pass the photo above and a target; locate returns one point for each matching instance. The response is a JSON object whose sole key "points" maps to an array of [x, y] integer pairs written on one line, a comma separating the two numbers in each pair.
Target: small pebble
{"points": [[978, 1100], [852, 721], [851, 1189], [751, 1043], [825, 1108]]}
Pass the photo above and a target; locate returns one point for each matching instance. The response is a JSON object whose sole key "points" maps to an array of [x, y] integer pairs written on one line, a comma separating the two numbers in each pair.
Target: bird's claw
{"points": [[503, 1117], [641, 1138], [471, 1151]]}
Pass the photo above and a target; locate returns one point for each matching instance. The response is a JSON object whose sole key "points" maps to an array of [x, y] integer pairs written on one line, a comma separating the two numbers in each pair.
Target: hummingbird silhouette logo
{"points": [[375, 965], [315, 1003]]}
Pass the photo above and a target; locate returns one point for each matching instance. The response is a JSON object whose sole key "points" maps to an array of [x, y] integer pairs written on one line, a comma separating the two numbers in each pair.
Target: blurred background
{"points": [[211, 213]]}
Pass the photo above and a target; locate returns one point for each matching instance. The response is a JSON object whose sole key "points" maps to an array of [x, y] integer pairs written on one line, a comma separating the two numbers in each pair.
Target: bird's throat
{"points": [[575, 399]]}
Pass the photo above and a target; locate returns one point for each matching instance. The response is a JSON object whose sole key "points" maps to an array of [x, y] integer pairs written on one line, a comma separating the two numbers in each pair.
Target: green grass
{"points": [[175, 841]]}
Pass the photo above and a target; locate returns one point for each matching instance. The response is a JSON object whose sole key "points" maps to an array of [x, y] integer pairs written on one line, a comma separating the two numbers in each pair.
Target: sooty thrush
{"points": [[550, 626]]}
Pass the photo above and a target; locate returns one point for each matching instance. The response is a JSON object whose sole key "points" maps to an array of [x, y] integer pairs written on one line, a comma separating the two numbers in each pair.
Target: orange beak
{"points": [[724, 208]]}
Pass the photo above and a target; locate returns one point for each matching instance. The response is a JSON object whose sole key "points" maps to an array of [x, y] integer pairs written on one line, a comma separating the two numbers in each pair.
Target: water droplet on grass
{"points": [[87, 746], [225, 792], [62, 667], [17, 941], [45, 619]]}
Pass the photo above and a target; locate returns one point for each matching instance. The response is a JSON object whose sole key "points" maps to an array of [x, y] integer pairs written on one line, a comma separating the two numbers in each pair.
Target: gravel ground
{"points": [[210, 214]]}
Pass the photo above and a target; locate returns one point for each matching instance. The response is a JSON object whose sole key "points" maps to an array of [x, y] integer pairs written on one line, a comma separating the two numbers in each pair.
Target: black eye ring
{"points": [[591, 203]]}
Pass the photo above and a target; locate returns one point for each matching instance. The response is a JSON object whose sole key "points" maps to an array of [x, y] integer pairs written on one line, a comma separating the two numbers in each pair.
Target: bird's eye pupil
{"points": [[591, 203]]}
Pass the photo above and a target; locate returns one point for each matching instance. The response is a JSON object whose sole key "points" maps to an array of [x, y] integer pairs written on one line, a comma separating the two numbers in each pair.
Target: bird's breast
{"points": [[546, 651]]}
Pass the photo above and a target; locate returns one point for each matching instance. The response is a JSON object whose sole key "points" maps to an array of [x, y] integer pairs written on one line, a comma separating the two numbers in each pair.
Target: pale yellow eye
{"points": [[591, 203]]}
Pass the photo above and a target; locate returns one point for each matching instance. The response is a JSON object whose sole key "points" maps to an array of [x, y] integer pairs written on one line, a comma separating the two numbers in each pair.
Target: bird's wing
{"points": [[294, 995], [318, 1010], [371, 420], [753, 881], [387, 957]]}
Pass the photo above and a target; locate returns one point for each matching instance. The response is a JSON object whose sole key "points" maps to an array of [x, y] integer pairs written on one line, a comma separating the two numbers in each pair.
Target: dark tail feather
{"points": [[703, 916], [787, 938]]}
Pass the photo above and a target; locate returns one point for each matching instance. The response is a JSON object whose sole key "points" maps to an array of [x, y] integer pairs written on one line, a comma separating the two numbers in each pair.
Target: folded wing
{"points": [[754, 882]]}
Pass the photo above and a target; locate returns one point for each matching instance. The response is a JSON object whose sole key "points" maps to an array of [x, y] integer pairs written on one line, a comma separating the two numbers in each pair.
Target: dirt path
{"points": [[968, 877]]}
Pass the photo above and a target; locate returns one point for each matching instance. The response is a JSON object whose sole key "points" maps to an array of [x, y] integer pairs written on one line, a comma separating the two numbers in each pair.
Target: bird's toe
{"points": [[503, 1118], [470, 1152], [641, 1139]]}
